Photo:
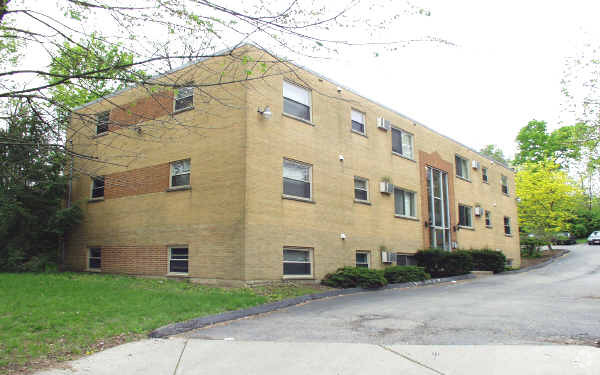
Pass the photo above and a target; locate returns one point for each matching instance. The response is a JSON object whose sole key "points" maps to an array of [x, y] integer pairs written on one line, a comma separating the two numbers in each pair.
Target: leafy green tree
{"points": [[547, 199], [495, 153], [32, 217]]}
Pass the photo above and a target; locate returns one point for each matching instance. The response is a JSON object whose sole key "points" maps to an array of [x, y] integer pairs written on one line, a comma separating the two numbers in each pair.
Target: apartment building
{"points": [[289, 176]]}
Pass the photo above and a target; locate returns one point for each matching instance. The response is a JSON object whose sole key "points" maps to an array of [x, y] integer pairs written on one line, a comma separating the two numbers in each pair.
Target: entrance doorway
{"points": [[439, 212]]}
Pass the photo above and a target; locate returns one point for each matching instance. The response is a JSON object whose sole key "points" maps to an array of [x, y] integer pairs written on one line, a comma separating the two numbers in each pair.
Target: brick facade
{"points": [[234, 219]]}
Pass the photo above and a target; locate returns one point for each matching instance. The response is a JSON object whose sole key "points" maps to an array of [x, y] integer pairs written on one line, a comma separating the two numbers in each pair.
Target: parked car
{"points": [[594, 238], [564, 238]]}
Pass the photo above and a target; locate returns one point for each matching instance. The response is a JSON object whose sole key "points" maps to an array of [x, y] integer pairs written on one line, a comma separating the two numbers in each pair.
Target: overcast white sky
{"points": [[505, 69]]}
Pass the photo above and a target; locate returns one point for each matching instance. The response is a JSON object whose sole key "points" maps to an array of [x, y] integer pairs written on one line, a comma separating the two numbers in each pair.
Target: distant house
{"points": [[202, 183]]}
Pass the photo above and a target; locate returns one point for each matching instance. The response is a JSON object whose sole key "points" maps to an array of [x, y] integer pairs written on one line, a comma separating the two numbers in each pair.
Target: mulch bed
{"points": [[546, 254]]}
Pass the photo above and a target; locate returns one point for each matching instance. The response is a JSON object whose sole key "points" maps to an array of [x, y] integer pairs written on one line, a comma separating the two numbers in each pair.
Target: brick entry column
{"points": [[435, 160]]}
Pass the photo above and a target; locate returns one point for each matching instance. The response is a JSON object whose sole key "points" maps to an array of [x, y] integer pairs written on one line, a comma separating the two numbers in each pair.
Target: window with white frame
{"points": [[180, 173], [358, 122], [184, 98], [297, 179], [465, 216], [404, 202], [297, 261], [488, 219], [402, 143], [405, 260], [98, 187], [507, 230], [361, 189], [363, 259], [484, 174], [296, 101], [178, 259], [504, 184], [102, 121], [462, 167], [94, 258]]}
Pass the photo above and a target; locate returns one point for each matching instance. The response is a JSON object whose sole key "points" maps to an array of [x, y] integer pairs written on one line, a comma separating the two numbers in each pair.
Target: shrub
{"points": [[351, 277], [439, 263], [488, 260], [530, 245], [404, 274]]}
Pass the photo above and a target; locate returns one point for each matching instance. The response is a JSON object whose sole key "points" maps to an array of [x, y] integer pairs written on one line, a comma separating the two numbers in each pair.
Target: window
{"points": [[462, 167], [465, 219], [97, 187], [488, 219], [297, 261], [402, 143], [297, 179], [178, 260], [484, 175], [361, 189], [405, 260], [507, 226], [362, 259], [404, 202], [504, 184], [94, 258], [184, 98], [358, 122], [180, 173], [102, 120], [296, 101]]}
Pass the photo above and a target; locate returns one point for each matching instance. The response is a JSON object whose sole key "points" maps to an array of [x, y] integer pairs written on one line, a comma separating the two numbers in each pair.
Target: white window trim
{"points": [[486, 175], [169, 260], [92, 189], [364, 123], [509, 226], [368, 253], [366, 181], [310, 105], [89, 252], [471, 216], [171, 175], [414, 200], [502, 178], [412, 142], [466, 168], [310, 180], [310, 257], [175, 99]]}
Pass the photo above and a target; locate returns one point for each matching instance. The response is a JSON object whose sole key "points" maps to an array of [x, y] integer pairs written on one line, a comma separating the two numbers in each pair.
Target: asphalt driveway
{"points": [[558, 304]]}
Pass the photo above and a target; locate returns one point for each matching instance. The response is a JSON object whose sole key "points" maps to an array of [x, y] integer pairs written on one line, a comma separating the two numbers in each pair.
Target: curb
{"points": [[539, 265], [189, 325]]}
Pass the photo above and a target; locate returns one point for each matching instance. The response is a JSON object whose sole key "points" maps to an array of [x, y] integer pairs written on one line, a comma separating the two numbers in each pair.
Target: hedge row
{"points": [[439, 263], [351, 277]]}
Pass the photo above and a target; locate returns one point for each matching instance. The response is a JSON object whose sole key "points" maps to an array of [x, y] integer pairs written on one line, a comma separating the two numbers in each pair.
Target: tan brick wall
{"points": [[234, 219], [146, 180]]}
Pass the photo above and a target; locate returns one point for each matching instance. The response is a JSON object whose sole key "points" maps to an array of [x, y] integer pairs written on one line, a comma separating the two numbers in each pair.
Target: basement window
{"points": [[180, 173], [362, 259], [405, 260], [184, 98], [178, 260], [94, 258], [98, 187], [297, 262]]}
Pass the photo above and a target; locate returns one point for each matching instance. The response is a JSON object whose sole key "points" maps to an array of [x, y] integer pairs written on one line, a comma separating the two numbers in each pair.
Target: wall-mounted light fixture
{"points": [[265, 112], [343, 236]]}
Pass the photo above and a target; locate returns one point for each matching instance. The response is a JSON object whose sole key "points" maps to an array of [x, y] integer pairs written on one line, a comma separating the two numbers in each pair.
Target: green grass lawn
{"points": [[56, 316]]}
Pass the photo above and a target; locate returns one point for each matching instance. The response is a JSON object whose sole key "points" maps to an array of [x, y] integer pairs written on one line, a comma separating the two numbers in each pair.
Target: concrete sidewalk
{"points": [[194, 356]]}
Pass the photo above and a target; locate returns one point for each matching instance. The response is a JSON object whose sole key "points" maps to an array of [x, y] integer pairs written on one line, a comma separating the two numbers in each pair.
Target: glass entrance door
{"points": [[439, 213]]}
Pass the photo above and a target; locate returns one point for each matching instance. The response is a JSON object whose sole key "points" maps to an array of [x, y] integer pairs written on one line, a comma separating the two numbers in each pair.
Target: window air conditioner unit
{"points": [[386, 187], [478, 211], [475, 164], [383, 123], [388, 257]]}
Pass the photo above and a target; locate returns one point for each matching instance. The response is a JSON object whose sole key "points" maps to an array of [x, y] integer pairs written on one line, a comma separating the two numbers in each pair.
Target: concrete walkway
{"points": [[194, 356]]}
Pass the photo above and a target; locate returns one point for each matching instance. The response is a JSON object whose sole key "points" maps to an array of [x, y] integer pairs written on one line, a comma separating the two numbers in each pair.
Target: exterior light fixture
{"points": [[265, 112]]}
